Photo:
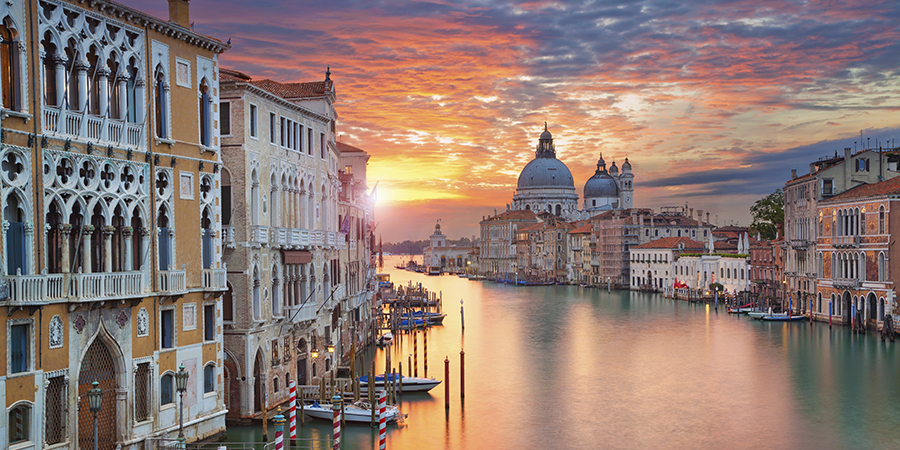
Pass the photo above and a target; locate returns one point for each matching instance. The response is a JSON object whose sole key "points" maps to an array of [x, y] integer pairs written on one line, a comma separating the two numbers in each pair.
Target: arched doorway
{"points": [[873, 307], [97, 365], [259, 383], [232, 386], [845, 308], [301, 363]]}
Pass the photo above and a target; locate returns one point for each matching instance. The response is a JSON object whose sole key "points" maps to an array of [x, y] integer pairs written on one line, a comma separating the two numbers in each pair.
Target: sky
{"points": [[713, 102]]}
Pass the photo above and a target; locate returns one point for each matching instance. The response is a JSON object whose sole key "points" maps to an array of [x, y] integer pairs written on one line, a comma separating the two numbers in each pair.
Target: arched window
{"points": [[166, 389], [206, 236], [164, 244], [254, 198], [160, 104], [9, 68], [51, 58], [14, 215], [19, 424], [226, 197], [256, 300], [881, 267], [276, 292], [881, 220], [205, 123], [209, 378]]}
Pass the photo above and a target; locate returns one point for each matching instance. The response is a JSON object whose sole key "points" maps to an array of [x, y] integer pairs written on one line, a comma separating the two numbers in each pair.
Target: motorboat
{"points": [[386, 338], [410, 384], [782, 317], [431, 317], [415, 323], [356, 412], [433, 270]]}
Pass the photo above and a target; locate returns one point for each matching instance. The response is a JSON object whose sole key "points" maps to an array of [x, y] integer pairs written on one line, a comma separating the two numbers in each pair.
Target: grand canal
{"points": [[569, 367]]}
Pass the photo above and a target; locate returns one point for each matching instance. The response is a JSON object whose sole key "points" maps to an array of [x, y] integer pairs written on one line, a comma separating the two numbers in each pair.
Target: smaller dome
{"points": [[600, 185], [546, 133], [626, 166], [437, 227], [613, 170]]}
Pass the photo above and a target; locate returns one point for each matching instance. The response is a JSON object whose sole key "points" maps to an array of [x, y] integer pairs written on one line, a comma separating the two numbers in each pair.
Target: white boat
{"points": [[386, 338], [358, 412], [757, 314], [410, 384]]}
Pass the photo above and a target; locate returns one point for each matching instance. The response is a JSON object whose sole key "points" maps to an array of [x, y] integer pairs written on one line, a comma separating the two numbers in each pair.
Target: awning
{"points": [[296, 256]]}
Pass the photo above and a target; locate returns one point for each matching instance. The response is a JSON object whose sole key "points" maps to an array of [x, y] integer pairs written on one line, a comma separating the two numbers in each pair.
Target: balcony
{"points": [[799, 244], [230, 241], [74, 287], [316, 238], [259, 235], [214, 279], [331, 239], [279, 237], [846, 283], [845, 242], [303, 313], [102, 130], [172, 282]]}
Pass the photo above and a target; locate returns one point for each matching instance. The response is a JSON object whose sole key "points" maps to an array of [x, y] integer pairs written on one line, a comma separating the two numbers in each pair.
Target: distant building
{"points": [[653, 263], [450, 258], [498, 242]]}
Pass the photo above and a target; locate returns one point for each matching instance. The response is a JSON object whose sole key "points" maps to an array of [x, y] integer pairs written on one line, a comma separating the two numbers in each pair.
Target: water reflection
{"points": [[568, 367]]}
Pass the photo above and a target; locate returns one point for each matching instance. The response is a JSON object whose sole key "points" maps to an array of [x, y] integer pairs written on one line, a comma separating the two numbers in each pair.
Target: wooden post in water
{"points": [[262, 406], [322, 390], [416, 353], [400, 375], [409, 365], [333, 385], [462, 373], [462, 314], [301, 411], [446, 382], [371, 395], [356, 394], [425, 351]]}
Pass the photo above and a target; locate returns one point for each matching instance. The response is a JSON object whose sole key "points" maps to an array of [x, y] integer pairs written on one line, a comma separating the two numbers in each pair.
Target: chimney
{"points": [[707, 217], [699, 215], [178, 13], [691, 216], [793, 174], [812, 168]]}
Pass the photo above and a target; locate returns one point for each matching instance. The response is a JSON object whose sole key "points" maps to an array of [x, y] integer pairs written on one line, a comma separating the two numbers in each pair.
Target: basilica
{"points": [[546, 184]]}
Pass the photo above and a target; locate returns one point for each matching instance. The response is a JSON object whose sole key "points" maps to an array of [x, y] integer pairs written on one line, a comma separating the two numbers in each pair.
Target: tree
{"points": [[768, 214]]}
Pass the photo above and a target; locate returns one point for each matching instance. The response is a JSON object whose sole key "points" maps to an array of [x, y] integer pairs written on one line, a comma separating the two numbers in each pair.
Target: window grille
{"points": [[54, 421], [142, 377]]}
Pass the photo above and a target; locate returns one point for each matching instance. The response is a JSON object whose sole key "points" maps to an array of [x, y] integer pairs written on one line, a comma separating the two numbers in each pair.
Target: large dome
{"points": [[601, 185], [545, 172]]}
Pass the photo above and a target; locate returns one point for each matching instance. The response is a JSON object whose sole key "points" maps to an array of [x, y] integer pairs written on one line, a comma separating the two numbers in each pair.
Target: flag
{"points": [[374, 194], [345, 227]]}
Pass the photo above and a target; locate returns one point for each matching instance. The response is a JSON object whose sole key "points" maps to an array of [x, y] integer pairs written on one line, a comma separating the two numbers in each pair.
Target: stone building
{"points": [[111, 244], [827, 177], [853, 253], [280, 197], [542, 250], [579, 260], [766, 276], [440, 253], [653, 263], [498, 242]]}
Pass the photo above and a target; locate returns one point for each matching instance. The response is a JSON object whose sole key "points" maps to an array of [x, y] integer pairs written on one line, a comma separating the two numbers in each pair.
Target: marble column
{"points": [[65, 231], [103, 84], [123, 96], [86, 248], [81, 71], [127, 233], [59, 65], [107, 234]]}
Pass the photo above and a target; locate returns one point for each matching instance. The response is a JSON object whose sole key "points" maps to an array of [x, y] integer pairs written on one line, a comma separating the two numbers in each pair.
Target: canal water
{"points": [[569, 367]]}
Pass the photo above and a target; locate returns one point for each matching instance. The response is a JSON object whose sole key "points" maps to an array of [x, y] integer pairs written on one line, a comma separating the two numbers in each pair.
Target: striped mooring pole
{"points": [[293, 412], [336, 424], [416, 352], [382, 420], [279, 430]]}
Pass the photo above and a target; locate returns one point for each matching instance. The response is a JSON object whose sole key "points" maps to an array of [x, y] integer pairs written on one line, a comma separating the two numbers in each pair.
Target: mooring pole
{"points": [[446, 382], [462, 373]]}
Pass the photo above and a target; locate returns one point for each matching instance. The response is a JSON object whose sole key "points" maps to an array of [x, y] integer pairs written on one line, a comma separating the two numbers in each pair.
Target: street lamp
{"points": [[315, 353], [95, 398], [181, 379]]}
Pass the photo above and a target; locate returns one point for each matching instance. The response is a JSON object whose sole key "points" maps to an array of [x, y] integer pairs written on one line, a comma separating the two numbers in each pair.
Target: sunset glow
{"points": [[713, 104]]}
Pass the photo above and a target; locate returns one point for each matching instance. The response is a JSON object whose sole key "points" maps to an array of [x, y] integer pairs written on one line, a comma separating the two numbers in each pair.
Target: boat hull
{"points": [[353, 414], [410, 384]]}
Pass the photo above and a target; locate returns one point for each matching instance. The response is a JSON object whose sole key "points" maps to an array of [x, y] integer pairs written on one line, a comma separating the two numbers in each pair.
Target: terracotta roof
{"points": [[522, 214], [887, 187], [673, 242], [531, 228], [586, 228], [347, 148], [232, 76], [294, 90]]}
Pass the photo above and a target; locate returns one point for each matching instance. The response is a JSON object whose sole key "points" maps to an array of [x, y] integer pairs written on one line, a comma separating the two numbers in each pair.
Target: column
{"points": [[81, 70], [65, 230], [123, 96], [127, 233], [59, 64], [86, 248], [145, 261], [103, 83], [139, 86], [107, 248]]}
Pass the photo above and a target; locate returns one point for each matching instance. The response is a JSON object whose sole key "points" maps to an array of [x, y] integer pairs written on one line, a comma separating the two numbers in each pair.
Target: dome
{"points": [[626, 166], [546, 134], [613, 170], [545, 172], [600, 185]]}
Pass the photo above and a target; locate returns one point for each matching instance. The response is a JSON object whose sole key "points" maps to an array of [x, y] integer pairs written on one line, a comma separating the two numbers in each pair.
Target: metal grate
{"points": [[142, 392], [97, 365], [54, 422]]}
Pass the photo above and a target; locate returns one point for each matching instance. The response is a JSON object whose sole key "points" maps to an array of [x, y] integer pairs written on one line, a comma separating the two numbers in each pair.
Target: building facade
{"points": [[653, 263], [112, 244], [450, 258], [286, 279], [498, 242]]}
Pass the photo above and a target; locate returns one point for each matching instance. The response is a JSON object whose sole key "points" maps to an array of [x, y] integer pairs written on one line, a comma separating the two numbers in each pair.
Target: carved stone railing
{"points": [[259, 235], [215, 279], [172, 281], [230, 240]]}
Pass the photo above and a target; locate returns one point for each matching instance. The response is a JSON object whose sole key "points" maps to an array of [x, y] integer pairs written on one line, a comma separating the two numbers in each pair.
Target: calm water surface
{"points": [[568, 367]]}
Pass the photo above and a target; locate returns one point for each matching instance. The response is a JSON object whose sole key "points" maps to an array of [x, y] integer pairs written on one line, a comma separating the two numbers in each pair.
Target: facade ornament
{"points": [[143, 323], [56, 332], [79, 323], [122, 319]]}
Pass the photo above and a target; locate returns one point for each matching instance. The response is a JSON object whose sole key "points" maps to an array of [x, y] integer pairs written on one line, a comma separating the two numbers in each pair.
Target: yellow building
{"points": [[111, 242]]}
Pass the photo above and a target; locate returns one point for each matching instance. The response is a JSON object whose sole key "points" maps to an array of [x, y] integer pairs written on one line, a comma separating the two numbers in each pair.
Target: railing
{"points": [[317, 238], [845, 241], [133, 134], [98, 286], [214, 279], [259, 235], [281, 236], [91, 127], [331, 239], [114, 128], [172, 281], [230, 241], [299, 443], [304, 238], [294, 237], [51, 119], [846, 283], [94, 128], [306, 312], [799, 244]]}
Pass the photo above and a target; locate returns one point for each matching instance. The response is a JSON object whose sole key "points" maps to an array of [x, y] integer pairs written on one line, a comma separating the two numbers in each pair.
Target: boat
{"points": [[386, 339], [782, 317], [410, 384], [742, 309], [462, 275], [384, 280], [356, 412], [757, 314], [416, 323], [433, 270], [431, 317]]}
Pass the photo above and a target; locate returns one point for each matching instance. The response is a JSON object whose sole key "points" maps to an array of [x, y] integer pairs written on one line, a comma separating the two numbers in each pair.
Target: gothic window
{"points": [[161, 104], [276, 292], [19, 425], [226, 197], [72, 66], [166, 385], [254, 198], [206, 238], [209, 378], [882, 269], [93, 85], [881, 220], [130, 86], [256, 300], [14, 215], [205, 122], [9, 67]]}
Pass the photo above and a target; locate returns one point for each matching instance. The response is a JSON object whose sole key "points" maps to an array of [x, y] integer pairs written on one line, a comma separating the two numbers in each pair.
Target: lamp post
{"points": [[95, 400], [181, 379]]}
